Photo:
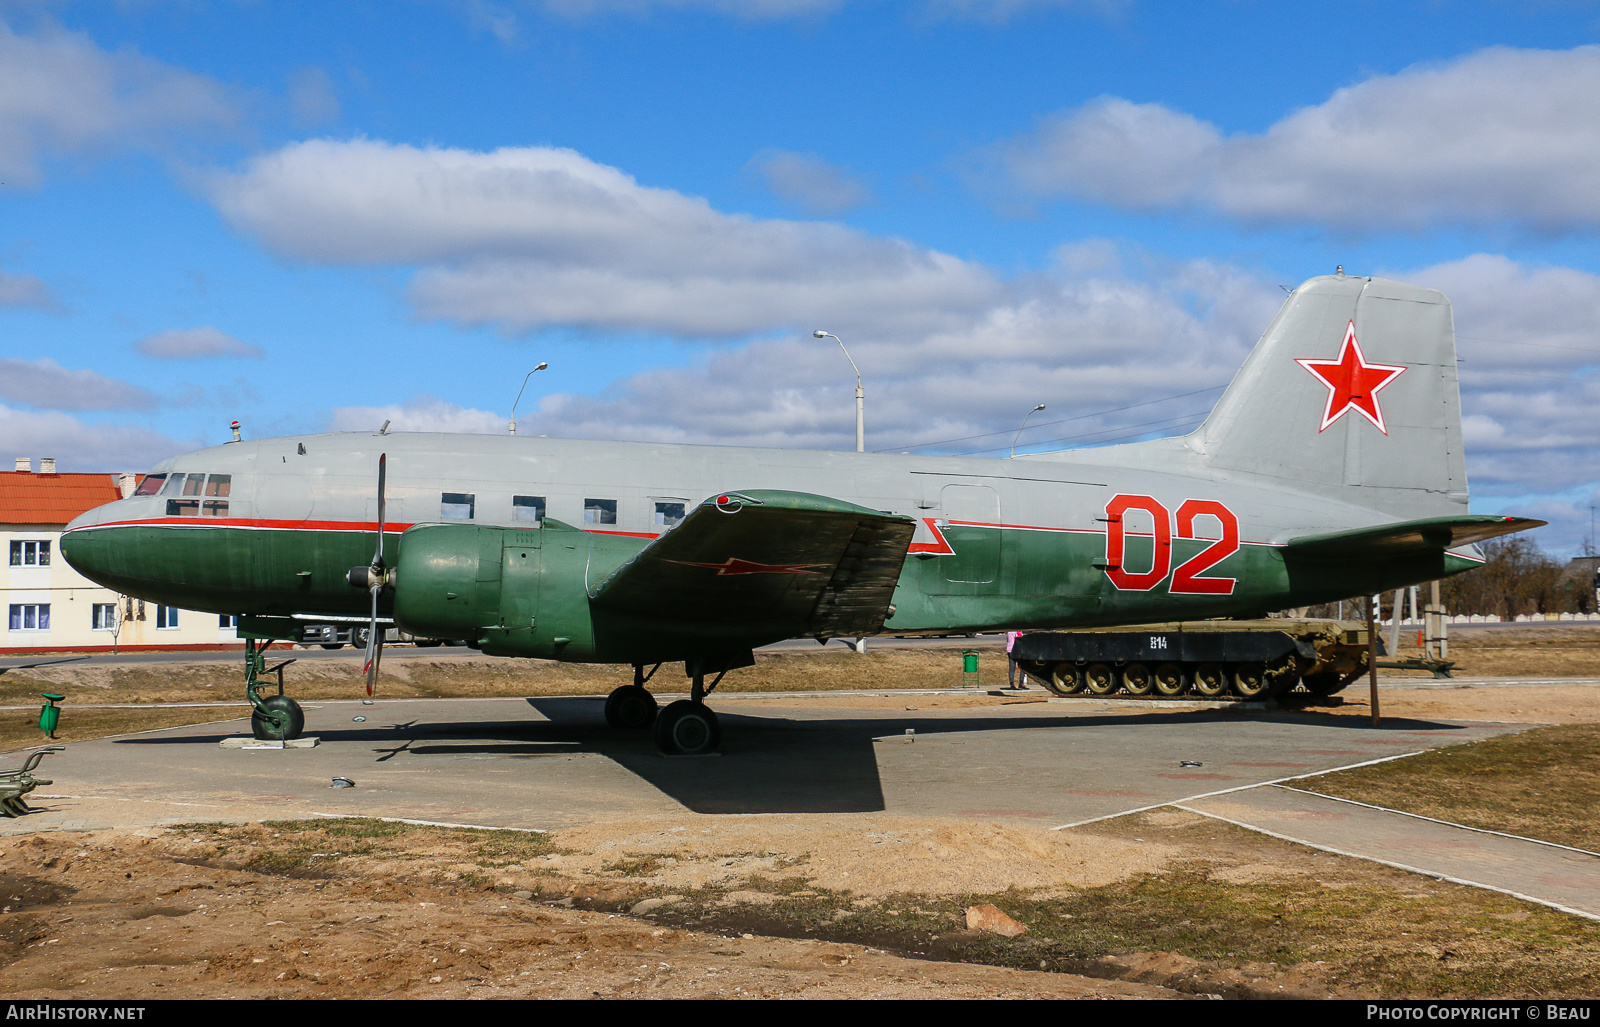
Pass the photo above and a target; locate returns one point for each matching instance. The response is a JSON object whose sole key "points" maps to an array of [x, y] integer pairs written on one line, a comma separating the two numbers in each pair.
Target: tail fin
{"points": [[1352, 393]]}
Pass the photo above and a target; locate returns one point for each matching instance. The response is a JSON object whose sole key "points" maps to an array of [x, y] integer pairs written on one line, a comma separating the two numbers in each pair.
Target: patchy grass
{"points": [[1543, 783], [20, 729], [1316, 924]]}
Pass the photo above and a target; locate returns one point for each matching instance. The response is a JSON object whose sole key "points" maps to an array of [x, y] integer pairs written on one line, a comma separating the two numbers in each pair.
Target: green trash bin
{"points": [[50, 714], [969, 668]]}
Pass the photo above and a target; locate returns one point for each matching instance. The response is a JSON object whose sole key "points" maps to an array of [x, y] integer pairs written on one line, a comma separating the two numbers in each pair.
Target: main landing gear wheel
{"points": [[631, 708], [293, 719], [687, 728]]}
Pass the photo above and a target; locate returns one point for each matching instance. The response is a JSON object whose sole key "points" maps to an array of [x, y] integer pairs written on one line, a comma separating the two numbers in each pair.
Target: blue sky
{"points": [[315, 216]]}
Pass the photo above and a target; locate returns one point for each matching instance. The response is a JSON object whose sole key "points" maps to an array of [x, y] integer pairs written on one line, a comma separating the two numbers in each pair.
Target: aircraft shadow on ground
{"points": [[767, 764]]}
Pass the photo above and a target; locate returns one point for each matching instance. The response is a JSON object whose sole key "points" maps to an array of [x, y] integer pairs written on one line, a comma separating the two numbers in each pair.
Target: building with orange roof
{"points": [[48, 606]]}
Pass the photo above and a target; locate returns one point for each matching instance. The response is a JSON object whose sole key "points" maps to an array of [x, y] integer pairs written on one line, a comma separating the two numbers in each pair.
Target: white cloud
{"points": [[26, 291], [194, 343], [419, 413], [61, 94], [47, 385], [1529, 343], [81, 447], [1500, 135], [811, 183], [533, 237]]}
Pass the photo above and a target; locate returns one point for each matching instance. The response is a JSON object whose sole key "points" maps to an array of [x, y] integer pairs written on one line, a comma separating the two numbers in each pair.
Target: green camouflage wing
{"points": [[766, 562]]}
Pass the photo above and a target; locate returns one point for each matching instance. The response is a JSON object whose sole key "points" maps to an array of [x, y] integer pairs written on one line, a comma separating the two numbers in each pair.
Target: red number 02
{"points": [[1186, 579]]}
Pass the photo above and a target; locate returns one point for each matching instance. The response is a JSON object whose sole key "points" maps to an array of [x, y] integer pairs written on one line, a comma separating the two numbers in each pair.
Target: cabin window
{"points": [[151, 485], [30, 617], [527, 508], [30, 554], [457, 506], [103, 617], [668, 514], [599, 511], [166, 616], [217, 488]]}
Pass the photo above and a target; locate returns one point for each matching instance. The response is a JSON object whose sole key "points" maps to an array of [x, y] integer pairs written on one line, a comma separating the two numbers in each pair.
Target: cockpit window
{"points": [[151, 485], [174, 485], [217, 488], [193, 486]]}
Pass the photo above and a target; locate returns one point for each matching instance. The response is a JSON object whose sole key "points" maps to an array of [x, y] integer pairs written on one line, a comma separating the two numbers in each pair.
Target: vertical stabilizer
{"points": [[1351, 393]]}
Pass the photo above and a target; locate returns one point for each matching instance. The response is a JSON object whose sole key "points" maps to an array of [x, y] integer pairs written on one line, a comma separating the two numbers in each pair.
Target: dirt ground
{"points": [[693, 906]]}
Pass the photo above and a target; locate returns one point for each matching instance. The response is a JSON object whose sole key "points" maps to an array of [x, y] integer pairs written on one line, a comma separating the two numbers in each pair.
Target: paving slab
{"points": [[1558, 876]]}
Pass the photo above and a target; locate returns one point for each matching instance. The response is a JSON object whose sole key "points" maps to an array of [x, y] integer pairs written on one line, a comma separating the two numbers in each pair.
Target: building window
{"points": [[30, 554], [457, 506], [227, 620], [166, 616], [527, 508], [104, 617], [668, 515], [599, 511], [30, 617]]}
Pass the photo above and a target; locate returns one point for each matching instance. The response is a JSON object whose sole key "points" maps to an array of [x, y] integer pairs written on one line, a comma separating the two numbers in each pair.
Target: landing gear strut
{"points": [[276, 717]]}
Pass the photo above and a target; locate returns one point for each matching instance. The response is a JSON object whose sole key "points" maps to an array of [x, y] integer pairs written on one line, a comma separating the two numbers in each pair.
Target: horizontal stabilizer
{"points": [[1408, 538], [767, 561]]}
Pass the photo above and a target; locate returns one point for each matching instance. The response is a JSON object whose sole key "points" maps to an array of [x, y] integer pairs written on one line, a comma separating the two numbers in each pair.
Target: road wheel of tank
{"points": [[687, 728], [631, 708], [1137, 679], [1209, 680], [1249, 680], [1169, 679], [269, 729], [1064, 679], [1100, 679]]}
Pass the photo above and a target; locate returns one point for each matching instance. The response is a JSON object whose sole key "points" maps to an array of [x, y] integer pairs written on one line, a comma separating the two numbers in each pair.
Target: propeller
{"points": [[374, 577]]}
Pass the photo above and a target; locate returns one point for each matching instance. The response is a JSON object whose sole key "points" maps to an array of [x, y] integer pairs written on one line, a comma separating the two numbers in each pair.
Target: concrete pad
{"points": [[551, 762]]}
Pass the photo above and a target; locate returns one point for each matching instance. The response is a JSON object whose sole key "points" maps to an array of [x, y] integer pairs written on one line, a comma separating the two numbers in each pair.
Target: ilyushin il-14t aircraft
{"points": [[1332, 466]]}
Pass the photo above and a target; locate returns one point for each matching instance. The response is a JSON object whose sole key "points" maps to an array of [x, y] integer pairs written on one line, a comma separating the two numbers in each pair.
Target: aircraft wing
{"points": [[787, 561], [1408, 538]]}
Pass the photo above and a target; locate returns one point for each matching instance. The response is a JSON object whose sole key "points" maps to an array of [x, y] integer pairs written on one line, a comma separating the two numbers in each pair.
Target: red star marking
{"points": [[735, 565], [1352, 383]]}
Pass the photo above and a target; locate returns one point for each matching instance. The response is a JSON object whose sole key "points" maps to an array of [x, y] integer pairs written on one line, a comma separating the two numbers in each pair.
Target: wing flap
{"points": [[1408, 538], [768, 561]]}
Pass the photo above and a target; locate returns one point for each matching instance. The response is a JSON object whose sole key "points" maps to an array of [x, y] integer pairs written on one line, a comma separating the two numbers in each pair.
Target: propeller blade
{"points": [[383, 467], [374, 644], [375, 585]]}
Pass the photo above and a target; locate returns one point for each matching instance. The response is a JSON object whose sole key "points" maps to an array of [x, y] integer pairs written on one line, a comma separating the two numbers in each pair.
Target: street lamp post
{"points": [[1021, 426], [861, 434], [541, 367]]}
